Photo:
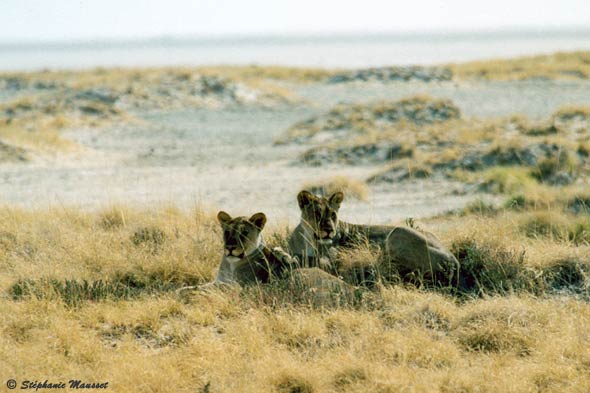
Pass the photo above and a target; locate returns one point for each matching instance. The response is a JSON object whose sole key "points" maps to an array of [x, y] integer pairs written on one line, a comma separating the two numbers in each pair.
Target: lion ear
{"points": [[304, 198], [336, 199], [258, 219], [223, 217]]}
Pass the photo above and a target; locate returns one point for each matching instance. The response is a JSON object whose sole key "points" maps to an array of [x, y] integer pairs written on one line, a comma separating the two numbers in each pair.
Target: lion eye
{"points": [[333, 215]]}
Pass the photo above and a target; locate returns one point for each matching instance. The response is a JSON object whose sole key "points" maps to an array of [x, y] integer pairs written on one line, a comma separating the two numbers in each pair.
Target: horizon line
{"points": [[296, 37]]}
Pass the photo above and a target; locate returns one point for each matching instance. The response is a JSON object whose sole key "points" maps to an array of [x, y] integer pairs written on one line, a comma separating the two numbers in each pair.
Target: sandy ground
{"points": [[225, 158]]}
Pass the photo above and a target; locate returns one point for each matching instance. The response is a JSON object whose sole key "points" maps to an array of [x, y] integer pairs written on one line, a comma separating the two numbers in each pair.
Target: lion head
{"points": [[320, 214], [241, 235]]}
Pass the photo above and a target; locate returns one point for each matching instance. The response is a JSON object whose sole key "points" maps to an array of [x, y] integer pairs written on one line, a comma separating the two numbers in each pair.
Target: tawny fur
{"points": [[246, 259], [320, 234]]}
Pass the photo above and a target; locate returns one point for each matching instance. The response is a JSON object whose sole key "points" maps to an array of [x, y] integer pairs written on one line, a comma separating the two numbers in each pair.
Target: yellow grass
{"points": [[406, 340], [562, 65], [352, 187], [41, 140], [114, 76]]}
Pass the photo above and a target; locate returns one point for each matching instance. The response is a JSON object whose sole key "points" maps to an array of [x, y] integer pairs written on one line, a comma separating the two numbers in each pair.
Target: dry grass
{"points": [[565, 65], [355, 188], [114, 77], [42, 139], [402, 339], [572, 111]]}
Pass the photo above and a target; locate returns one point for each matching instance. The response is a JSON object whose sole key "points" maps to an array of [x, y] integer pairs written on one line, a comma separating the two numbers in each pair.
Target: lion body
{"points": [[262, 266], [319, 236]]}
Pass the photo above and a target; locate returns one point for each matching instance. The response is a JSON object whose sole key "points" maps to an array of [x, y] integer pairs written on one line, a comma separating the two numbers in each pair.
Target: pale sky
{"points": [[49, 20]]}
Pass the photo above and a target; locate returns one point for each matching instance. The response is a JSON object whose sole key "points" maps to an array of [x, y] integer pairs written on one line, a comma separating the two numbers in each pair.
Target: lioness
{"points": [[320, 233], [246, 259]]}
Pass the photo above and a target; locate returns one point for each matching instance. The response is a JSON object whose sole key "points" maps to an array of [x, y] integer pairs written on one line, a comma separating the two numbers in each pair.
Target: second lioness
{"points": [[320, 233]]}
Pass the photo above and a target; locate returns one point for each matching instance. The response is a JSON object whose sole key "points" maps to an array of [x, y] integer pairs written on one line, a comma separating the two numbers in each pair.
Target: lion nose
{"points": [[233, 251], [326, 233], [229, 249]]}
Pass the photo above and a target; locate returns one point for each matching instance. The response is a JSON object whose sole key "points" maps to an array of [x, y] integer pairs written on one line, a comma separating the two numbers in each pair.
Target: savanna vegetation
{"points": [[102, 295], [562, 65], [43, 104], [96, 296]]}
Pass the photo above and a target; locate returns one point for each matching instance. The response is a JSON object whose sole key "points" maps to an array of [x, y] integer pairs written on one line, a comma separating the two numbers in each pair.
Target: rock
{"points": [[100, 94], [502, 156], [397, 174], [370, 153], [384, 74]]}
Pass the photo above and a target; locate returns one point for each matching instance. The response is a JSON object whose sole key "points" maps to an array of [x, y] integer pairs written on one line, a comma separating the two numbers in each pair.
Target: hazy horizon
{"points": [[68, 34], [68, 20], [465, 34]]}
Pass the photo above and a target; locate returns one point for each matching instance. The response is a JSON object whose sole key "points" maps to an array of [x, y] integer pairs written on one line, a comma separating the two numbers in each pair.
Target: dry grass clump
{"points": [[577, 201], [572, 112], [479, 207], [547, 169], [535, 128], [402, 170], [573, 199], [562, 65], [289, 383], [355, 188], [112, 218], [567, 272], [557, 226], [503, 180], [361, 266], [500, 327], [545, 224], [571, 120], [521, 202], [488, 267]]}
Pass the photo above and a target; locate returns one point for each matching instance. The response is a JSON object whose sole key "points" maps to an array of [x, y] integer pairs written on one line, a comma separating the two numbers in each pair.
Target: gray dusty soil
{"points": [[225, 158]]}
